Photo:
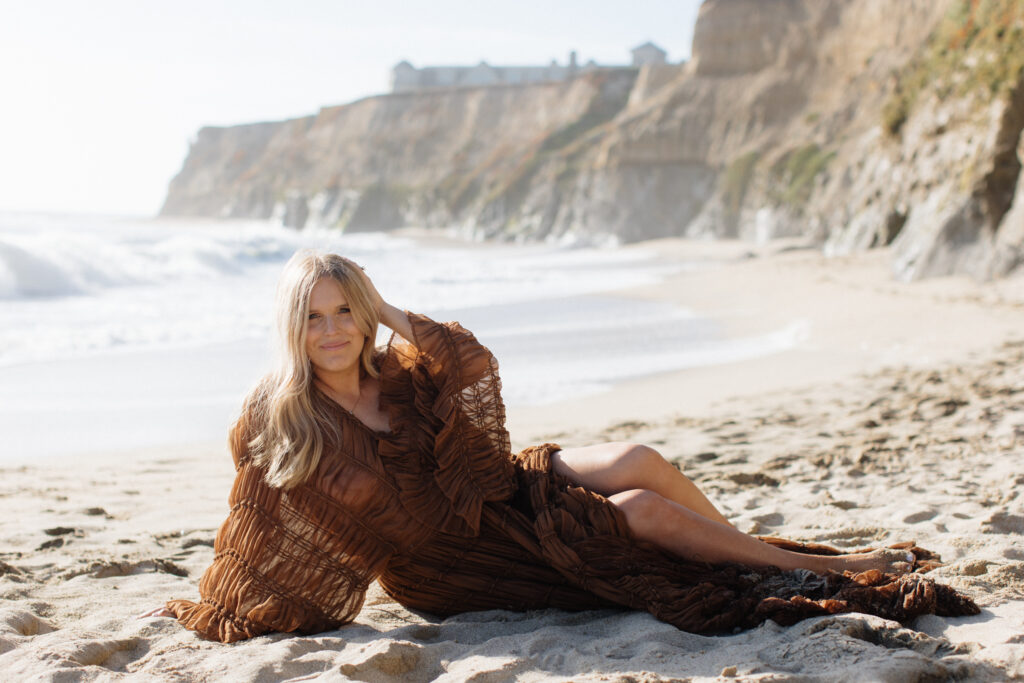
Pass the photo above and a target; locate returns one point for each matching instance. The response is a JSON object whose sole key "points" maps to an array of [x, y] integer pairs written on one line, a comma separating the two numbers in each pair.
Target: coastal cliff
{"points": [[848, 123]]}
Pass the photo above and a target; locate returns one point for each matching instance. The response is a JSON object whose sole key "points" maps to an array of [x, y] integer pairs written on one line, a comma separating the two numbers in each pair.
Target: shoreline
{"points": [[901, 417], [858, 321]]}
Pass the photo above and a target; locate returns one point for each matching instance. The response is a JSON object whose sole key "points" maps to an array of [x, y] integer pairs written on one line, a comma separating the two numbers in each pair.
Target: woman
{"points": [[357, 464]]}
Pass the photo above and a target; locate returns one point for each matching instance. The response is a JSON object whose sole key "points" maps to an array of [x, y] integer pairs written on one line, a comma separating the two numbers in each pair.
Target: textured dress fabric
{"points": [[448, 520]]}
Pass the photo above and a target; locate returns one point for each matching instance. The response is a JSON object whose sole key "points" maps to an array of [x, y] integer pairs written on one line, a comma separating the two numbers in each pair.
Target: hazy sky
{"points": [[100, 99]]}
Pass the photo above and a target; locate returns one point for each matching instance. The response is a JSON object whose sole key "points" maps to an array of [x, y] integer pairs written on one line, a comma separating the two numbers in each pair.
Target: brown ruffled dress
{"points": [[441, 513]]}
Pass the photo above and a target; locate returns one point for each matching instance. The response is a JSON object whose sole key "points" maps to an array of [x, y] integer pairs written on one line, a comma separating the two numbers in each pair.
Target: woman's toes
{"points": [[898, 561]]}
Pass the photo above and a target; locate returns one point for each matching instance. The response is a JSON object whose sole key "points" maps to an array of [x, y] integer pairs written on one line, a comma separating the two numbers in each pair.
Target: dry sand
{"points": [[899, 416]]}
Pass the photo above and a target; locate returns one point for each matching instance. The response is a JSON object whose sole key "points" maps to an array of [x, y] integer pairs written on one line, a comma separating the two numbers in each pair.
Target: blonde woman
{"points": [[355, 464]]}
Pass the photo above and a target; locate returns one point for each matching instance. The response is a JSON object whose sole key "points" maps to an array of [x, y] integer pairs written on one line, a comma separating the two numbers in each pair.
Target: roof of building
{"points": [[646, 46]]}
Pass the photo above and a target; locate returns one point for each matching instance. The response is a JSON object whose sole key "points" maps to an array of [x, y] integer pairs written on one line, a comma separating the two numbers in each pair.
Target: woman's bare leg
{"points": [[611, 468], [678, 529]]}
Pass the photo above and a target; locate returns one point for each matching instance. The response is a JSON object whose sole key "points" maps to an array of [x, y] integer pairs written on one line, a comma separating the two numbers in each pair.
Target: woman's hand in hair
{"points": [[390, 316], [376, 300]]}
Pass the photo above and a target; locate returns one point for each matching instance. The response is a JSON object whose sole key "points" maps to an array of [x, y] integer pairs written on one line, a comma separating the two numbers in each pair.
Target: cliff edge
{"points": [[849, 123]]}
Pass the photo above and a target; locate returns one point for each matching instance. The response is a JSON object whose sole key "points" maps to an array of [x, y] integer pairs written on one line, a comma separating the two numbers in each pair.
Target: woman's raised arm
{"points": [[397, 320]]}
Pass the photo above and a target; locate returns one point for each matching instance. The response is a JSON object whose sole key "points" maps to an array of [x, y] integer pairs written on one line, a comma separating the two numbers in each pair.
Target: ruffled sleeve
{"points": [[443, 394], [285, 560]]}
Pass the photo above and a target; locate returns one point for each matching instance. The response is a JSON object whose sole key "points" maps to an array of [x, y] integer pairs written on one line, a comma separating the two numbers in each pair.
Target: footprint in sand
{"points": [[9, 569], [52, 543], [752, 479], [770, 519], [1003, 523], [854, 536], [425, 632], [22, 623], [860, 637], [96, 652], [920, 516], [61, 531], [105, 569]]}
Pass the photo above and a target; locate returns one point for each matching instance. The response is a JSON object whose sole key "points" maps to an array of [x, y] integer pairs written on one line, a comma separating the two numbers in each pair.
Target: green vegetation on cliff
{"points": [[978, 46], [794, 173]]}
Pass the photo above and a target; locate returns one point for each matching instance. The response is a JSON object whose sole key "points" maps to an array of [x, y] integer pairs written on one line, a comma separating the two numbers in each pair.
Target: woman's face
{"points": [[333, 341]]}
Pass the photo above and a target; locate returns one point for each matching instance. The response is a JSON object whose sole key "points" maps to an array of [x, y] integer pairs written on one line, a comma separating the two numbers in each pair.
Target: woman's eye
{"points": [[314, 316], [344, 309]]}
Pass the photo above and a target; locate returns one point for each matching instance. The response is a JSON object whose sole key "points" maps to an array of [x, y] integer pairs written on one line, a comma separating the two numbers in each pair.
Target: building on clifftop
{"points": [[648, 53], [405, 77]]}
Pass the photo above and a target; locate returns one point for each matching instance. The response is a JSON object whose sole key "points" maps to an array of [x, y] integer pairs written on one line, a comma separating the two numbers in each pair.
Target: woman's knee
{"points": [[643, 508], [637, 458]]}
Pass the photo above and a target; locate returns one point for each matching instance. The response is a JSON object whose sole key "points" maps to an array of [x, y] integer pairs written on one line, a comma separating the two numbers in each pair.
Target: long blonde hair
{"points": [[295, 428]]}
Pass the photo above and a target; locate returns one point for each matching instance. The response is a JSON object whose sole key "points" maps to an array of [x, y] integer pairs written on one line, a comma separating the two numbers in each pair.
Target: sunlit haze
{"points": [[100, 99]]}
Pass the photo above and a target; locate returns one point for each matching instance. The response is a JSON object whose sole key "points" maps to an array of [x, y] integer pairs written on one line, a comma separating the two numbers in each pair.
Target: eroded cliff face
{"points": [[851, 123], [429, 157]]}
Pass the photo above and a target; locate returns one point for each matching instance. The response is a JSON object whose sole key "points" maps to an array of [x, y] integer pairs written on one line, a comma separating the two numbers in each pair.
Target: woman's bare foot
{"points": [[158, 612], [885, 560]]}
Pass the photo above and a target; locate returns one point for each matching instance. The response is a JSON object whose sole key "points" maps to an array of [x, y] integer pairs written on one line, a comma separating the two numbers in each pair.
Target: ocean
{"points": [[120, 333]]}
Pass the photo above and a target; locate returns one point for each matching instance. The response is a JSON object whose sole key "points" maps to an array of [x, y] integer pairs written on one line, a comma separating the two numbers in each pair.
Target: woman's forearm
{"points": [[397, 320]]}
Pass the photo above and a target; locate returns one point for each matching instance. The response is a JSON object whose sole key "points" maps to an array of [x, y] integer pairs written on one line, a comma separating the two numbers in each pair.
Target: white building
{"points": [[406, 77], [648, 53]]}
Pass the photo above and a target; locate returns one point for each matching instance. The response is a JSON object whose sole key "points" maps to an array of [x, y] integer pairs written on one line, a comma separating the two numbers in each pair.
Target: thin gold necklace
{"points": [[336, 397], [359, 397]]}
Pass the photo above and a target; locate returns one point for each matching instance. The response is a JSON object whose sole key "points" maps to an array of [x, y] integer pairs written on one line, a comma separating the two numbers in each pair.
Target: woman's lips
{"points": [[335, 346]]}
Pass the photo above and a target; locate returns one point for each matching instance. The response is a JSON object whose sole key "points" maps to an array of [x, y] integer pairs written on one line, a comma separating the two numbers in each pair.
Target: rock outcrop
{"points": [[850, 123]]}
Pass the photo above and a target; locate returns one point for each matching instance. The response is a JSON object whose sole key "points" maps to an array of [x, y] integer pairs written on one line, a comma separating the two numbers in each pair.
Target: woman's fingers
{"points": [[158, 612]]}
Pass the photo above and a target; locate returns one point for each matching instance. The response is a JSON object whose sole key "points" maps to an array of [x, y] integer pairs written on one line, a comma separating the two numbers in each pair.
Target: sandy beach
{"points": [[899, 416]]}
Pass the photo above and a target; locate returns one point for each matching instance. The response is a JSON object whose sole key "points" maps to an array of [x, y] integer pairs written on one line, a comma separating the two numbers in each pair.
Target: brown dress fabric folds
{"points": [[449, 521]]}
